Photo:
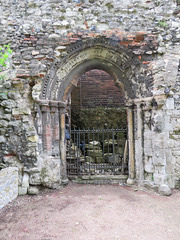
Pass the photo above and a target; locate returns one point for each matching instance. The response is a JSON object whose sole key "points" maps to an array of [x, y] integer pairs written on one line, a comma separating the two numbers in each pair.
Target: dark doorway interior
{"points": [[97, 143], [97, 103]]}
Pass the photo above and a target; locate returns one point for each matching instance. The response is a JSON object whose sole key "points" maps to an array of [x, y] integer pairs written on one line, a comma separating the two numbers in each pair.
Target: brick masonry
{"points": [[96, 88]]}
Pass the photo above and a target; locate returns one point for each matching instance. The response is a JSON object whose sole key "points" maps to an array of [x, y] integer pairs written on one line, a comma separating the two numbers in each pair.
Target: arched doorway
{"points": [[73, 61], [96, 128]]}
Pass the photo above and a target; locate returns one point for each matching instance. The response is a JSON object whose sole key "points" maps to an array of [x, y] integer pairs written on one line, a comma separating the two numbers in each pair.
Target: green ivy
{"points": [[5, 52]]}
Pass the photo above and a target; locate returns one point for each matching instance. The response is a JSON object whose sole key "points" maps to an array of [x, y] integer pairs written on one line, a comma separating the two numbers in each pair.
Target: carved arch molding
{"points": [[73, 61]]}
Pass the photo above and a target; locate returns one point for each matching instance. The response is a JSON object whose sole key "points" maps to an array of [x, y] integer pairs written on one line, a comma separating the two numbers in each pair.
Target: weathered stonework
{"points": [[8, 185], [54, 42]]}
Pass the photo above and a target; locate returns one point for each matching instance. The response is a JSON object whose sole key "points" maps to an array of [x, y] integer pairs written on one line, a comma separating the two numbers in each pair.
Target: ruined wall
{"points": [[41, 31]]}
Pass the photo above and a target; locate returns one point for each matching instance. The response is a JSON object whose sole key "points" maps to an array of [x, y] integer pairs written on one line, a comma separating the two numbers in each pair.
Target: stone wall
{"points": [[45, 37], [8, 185]]}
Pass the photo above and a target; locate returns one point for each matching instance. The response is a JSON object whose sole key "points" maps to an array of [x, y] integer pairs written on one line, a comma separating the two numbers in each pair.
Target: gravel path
{"points": [[92, 212]]}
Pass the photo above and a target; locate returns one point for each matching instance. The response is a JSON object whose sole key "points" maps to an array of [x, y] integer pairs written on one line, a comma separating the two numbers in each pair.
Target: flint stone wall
{"points": [[40, 32], [8, 185]]}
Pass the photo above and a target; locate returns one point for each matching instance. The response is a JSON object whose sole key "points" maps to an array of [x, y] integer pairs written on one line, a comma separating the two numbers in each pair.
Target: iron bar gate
{"points": [[100, 151]]}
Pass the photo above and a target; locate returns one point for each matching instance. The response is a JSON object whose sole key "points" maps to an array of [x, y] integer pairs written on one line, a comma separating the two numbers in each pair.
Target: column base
{"points": [[130, 182]]}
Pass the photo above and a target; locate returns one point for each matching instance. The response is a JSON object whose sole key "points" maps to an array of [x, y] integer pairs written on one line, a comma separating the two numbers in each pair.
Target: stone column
{"points": [[130, 143], [55, 127], [38, 125], [139, 144], [46, 127], [62, 143]]}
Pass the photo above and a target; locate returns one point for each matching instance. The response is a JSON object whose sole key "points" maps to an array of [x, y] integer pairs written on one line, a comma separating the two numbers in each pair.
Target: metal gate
{"points": [[97, 152]]}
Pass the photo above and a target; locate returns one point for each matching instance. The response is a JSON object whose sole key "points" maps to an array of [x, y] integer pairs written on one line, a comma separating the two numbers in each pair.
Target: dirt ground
{"points": [[92, 212]]}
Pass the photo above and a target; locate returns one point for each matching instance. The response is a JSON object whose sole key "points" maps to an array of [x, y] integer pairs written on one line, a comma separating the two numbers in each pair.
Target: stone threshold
{"points": [[99, 179]]}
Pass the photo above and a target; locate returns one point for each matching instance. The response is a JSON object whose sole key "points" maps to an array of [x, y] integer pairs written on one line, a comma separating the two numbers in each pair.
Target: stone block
{"points": [[147, 135], [35, 178], [25, 180], [3, 96], [169, 103], [159, 178], [159, 160], [89, 159], [150, 185], [2, 139], [130, 182], [110, 158], [148, 143], [149, 168], [6, 117], [164, 190], [22, 191], [34, 52], [21, 111], [8, 185], [33, 139], [176, 153], [3, 123], [160, 169], [170, 143], [13, 161], [8, 103], [50, 172], [148, 151], [32, 190]]}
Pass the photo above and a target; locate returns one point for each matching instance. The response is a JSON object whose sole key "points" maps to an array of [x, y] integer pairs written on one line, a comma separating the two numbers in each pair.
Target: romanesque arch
{"points": [[120, 62], [70, 63]]}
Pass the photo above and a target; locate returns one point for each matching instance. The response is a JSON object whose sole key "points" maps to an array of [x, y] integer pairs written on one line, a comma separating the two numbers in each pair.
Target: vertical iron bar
{"points": [[89, 152], [74, 151], [79, 150], [119, 157], [108, 141], [94, 152], [98, 148], [113, 152], [123, 147], [84, 150], [103, 145], [70, 149]]}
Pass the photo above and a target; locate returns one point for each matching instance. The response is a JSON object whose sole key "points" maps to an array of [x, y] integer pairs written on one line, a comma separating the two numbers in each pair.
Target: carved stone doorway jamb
{"points": [[135, 140], [62, 142], [131, 141]]}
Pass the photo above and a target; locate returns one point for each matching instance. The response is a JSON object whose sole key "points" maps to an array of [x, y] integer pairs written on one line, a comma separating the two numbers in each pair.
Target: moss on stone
{"points": [[44, 173]]}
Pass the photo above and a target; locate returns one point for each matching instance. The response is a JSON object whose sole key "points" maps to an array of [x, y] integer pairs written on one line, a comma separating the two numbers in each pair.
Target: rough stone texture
{"points": [[32, 190], [8, 185], [55, 42], [22, 191], [50, 173], [164, 190]]}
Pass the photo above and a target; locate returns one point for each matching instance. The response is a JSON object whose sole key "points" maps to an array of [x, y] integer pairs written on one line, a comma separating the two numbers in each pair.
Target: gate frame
{"points": [[79, 135]]}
